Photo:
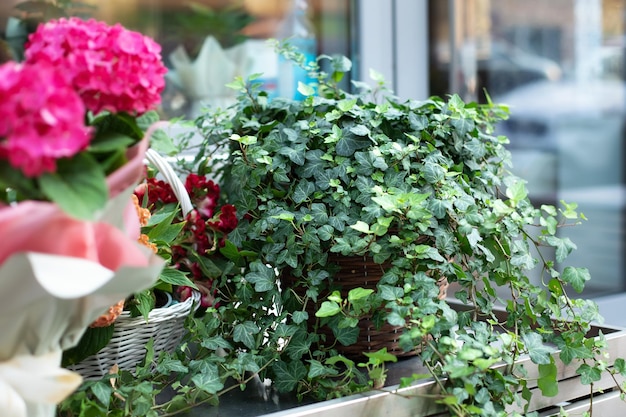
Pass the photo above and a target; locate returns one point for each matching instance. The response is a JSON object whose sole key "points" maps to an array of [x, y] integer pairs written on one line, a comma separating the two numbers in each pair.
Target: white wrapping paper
{"points": [[204, 79], [57, 275]]}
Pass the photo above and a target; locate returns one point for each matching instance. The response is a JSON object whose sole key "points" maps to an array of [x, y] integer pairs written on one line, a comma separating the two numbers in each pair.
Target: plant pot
{"points": [[163, 299], [357, 272]]}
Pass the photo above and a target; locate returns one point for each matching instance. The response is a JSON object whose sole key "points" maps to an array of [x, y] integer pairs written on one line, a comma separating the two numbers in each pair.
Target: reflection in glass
{"points": [[559, 65], [206, 43]]}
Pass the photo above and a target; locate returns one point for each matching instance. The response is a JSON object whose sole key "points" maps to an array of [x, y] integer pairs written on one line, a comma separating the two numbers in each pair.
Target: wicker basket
{"points": [[165, 326], [127, 347], [363, 272]]}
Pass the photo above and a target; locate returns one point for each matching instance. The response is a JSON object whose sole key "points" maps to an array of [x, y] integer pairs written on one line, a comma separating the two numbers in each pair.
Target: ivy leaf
{"points": [[244, 333], [288, 375], [359, 293], [300, 316], [396, 319], [439, 208], [576, 277], [349, 144], [361, 226], [346, 336], [463, 125], [323, 178], [342, 246], [295, 154], [317, 369], [433, 173], [262, 276], [345, 105], [215, 342], [168, 365], [588, 374], [360, 130], [313, 163], [547, 382], [517, 191], [302, 191], [328, 309], [573, 350], [563, 247], [428, 252], [390, 292], [102, 391], [298, 346], [538, 351], [474, 237], [325, 233], [209, 379], [305, 90]]}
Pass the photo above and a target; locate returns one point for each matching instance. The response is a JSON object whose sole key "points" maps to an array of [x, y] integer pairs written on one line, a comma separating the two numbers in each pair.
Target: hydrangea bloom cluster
{"points": [[72, 66], [204, 232], [112, 68], [41, 118]]}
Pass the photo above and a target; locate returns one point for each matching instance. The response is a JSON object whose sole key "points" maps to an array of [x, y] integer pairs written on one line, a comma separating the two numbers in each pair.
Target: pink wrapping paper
{"points": [[57, 274]]}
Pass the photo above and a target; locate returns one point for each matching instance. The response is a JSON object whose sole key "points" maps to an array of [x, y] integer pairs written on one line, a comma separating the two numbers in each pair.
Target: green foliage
{"points": [[78, 185], [193, 22], [420, 188]]}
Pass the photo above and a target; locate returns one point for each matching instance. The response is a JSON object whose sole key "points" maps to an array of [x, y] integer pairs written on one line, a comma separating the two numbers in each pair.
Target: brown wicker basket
{"points": [[355, 272]]}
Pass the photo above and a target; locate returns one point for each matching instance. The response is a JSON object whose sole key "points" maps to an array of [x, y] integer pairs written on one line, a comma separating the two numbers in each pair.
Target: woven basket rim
{"points": [[130, 335], [159, 314]]}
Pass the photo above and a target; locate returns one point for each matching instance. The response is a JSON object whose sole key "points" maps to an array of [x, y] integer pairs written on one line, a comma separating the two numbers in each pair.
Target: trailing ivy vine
{"points": [[421, 187]]}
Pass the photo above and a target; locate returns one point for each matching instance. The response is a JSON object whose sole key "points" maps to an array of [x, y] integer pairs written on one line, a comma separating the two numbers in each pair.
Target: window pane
{"points": [[206, 43], [559, 64]]}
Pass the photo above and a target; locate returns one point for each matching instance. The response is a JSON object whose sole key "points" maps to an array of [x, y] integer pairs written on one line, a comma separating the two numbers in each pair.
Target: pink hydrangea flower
{"points": [[112, 68], [41, 118]]}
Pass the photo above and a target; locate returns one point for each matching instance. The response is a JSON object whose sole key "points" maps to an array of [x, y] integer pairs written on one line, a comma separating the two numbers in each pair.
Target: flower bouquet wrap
{"points": [[73, 122]]}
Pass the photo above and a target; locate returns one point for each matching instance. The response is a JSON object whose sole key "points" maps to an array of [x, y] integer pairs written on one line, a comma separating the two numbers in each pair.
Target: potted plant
{"points": [[189, 239], [418, 191], [173, 368], [71, 153]]}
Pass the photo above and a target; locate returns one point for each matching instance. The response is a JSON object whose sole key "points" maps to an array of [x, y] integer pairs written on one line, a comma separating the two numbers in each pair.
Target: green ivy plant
{"points": [[420, 187], [423, 189]]}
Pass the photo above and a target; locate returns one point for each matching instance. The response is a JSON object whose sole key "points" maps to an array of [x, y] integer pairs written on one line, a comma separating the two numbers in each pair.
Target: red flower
{"points": [[202, 235], [159, 192], [227, 221], [204, 194]]}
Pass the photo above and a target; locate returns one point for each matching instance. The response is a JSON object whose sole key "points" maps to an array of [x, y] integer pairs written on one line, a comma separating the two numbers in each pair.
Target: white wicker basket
{"points": [[127, 347]]}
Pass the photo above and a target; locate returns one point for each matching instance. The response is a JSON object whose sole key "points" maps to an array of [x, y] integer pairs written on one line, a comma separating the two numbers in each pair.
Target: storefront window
{"points": [[206, 43], [559, 65]]}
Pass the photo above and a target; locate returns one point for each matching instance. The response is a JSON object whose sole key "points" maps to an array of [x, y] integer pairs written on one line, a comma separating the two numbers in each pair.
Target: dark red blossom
{"points": [[159, 193], [203, 233], [197, 227], [204, 194], [227, 220]]}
